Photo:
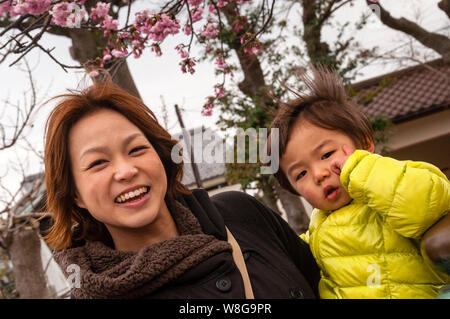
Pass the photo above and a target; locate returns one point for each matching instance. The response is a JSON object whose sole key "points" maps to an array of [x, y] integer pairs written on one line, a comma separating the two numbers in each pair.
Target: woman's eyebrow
{"points": [[132, 137], [102, 149]]}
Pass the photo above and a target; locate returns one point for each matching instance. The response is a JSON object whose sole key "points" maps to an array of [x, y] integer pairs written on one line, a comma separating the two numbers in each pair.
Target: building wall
{"points": [[424, 139]]}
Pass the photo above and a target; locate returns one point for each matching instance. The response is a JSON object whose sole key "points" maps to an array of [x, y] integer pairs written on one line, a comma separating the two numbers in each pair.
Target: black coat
{"points": [[279, 263]]}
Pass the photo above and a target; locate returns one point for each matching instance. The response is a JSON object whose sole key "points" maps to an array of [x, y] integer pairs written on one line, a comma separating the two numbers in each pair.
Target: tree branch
{"points": [[444, 5], [435, 41]]}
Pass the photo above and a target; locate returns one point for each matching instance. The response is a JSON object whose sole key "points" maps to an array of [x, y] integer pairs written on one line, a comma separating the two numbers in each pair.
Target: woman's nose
{"points": [[125, 172]]}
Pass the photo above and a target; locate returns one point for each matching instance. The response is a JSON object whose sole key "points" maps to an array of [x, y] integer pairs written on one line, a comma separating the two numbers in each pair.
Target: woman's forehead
{"points": [[103, 127]]}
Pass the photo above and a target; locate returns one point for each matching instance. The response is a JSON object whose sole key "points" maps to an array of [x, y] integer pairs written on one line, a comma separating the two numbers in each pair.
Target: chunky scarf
{"points": [[108, 273]]}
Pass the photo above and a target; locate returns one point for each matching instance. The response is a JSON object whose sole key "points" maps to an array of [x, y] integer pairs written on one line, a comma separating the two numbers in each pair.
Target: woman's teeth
{"points": [[132, 194]]}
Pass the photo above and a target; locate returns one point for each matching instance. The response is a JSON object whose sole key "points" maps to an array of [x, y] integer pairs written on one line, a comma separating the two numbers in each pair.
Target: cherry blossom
{"points": [[148, 30], [210, 29], [67, 14], [100, 11], [34, 7]]}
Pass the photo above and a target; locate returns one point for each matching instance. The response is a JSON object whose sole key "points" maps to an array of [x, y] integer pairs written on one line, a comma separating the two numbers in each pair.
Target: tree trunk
{"points": [[297, 217], [84, 48], [438, 42], [254, 86], [318, 51], [25, 254], [445, 6]]}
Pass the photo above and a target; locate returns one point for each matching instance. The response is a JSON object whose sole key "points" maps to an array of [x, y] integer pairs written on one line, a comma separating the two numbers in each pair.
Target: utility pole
{"points": [[187, 137]]}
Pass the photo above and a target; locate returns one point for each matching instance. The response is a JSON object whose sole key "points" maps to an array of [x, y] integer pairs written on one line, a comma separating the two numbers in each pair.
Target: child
{"points": [[370, 211]]}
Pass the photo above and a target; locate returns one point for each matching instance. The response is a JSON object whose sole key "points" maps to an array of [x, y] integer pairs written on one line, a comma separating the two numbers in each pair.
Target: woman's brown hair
{"points": [[326, 105], [58, 177]]}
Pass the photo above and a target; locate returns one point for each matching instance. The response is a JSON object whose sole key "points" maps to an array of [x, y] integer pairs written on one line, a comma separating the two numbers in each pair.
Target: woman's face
{"points": [[118, 175]]}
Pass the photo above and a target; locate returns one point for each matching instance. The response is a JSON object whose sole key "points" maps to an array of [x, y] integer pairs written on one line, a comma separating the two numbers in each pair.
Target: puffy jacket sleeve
{"points": [[314, 221], [412, 196]]}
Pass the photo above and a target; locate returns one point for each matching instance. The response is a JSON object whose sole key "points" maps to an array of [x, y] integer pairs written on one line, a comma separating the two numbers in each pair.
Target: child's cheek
{"points": [[309, 195]]}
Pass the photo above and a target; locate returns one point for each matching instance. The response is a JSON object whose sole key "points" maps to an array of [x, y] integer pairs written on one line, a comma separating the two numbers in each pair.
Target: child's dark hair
{"points": [[326, 105]]}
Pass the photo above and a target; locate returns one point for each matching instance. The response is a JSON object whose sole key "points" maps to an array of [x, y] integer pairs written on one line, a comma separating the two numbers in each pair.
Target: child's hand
{"points": [[338, 163]]}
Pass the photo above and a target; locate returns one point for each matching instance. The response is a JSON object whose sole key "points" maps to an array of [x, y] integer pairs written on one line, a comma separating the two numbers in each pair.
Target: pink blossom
{"points": [[109, 23], [158, 27], [157, 49], [209, 30], [106, 56], [119, 53], [67, 14], [94, 73], [208, 107], [138, 47], [34, 7], [187, 29], [187, 65], [222, 3], [207, 111], [195, 3], [163, 27], [4, 8], [218, 91], [239, 24], [220, 62], [180, 50], [251, 44], [196, 14], [142, 22], [100, 11], [212, 9]]}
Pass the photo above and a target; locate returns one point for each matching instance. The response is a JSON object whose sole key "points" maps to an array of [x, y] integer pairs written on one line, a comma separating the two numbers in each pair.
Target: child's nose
{"points": [[321, 174]]}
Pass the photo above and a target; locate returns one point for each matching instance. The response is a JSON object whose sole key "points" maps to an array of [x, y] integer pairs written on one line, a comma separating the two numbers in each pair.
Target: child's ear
{"points": [[371, 147]]}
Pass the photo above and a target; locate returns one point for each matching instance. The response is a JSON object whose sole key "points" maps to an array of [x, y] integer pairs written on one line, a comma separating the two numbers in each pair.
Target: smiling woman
{"points": [[101, 143], [121, 214]]}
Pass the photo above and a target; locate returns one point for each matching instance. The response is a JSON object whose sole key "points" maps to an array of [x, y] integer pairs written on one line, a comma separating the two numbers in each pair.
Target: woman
{"points": [[122, 215]]}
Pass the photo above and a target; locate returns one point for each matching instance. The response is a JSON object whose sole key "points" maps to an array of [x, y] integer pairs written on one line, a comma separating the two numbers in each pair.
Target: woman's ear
{"points": [[78, 201]]}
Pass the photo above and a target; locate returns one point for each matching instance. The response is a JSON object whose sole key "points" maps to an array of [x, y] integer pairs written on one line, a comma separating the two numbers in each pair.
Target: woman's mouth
{"points": [[132, 196]]}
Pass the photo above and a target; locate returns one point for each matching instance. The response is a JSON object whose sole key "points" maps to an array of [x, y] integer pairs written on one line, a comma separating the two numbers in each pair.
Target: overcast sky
{"points": [[161, 76]]}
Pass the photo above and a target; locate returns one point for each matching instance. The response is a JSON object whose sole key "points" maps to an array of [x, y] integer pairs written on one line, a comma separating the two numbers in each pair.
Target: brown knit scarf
{"points": [[108, 273]]}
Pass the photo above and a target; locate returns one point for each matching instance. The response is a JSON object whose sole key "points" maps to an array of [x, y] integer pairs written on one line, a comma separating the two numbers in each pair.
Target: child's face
{"points": [[310, 154]]}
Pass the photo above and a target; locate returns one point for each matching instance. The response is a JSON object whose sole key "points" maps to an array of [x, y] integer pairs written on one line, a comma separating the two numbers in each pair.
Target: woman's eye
{"points": [[96, 163], [299, 176], [326, 155], [137, 149]]}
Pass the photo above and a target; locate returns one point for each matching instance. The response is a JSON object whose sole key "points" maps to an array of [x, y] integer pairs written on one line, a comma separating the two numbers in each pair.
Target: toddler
{"points": [[370, 211]]}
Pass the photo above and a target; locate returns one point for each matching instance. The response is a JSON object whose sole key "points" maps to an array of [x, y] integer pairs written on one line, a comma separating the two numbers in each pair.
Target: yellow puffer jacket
{"points": [[370, 248]]}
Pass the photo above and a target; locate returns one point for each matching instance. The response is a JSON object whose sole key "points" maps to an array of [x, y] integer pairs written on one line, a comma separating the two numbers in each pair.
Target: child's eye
{"points": [[326, 155], [137, 149], [96, 163], [299, 176]]}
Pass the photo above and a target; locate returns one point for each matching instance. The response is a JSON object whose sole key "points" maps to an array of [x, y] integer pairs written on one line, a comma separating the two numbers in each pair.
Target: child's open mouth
{"points": [[331, 192]]}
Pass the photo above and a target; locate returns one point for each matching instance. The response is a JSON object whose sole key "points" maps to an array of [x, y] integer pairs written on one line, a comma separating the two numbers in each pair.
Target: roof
{"points": [[405, 94]]}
